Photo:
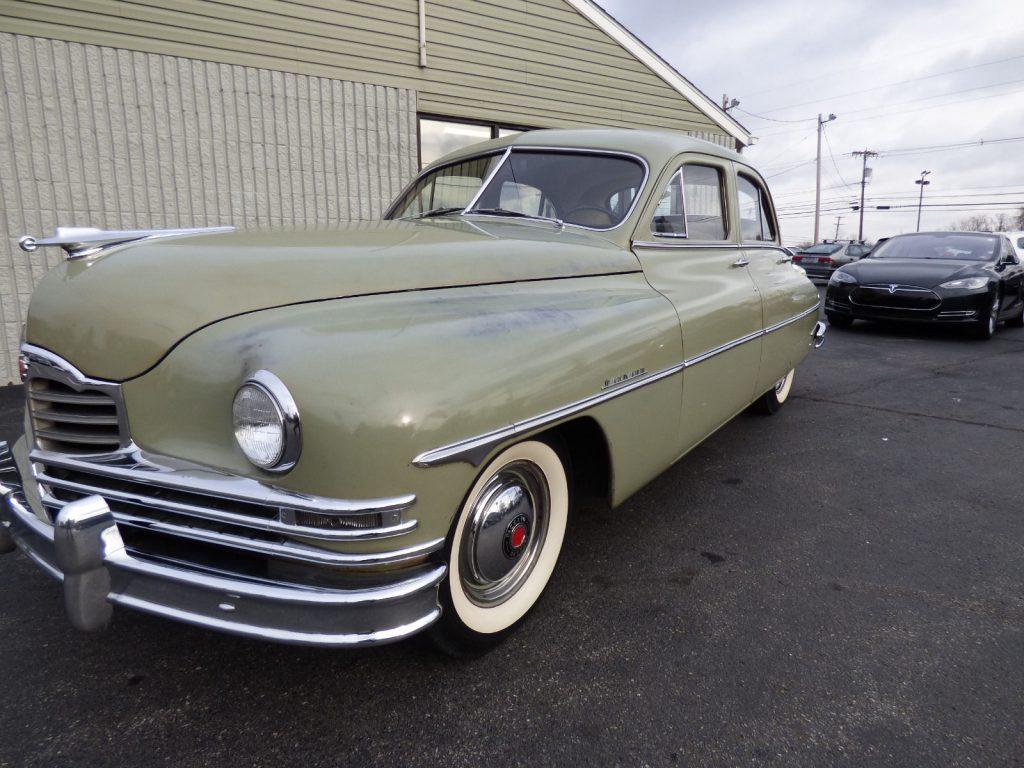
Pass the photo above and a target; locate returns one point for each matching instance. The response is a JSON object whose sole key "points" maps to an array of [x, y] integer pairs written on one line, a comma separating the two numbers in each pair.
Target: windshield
{"points": [[824, 249], [588, 190], [959, 247]]}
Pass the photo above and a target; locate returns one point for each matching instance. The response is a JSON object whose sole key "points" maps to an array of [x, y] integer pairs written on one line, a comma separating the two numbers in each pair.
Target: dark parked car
{"points": [[823, 259], [967, 278]]}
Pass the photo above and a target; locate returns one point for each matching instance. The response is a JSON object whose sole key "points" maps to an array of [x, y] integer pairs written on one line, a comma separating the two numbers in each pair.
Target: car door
{"points": [[687, 242], [1011, 277], [785, 293]]}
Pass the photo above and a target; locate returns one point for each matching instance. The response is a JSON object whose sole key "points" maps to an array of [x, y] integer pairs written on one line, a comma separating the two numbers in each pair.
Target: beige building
{"points": [[181, 113]]}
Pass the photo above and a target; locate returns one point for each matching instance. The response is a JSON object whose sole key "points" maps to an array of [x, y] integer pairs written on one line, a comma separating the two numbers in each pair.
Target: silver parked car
{"points": [[823, 259]]}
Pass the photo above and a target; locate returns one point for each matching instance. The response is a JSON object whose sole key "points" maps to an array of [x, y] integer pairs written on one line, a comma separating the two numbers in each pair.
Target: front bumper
{"points": [[945, 309], [84, 549]]}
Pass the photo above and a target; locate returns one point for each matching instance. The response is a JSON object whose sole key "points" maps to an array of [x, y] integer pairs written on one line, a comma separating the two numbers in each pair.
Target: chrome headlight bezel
{"points": [[842, 278], [965, 284], [286, 418]]}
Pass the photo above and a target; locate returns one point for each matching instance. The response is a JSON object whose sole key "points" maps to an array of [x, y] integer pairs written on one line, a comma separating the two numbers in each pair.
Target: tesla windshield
{"points": [[954, 245]]}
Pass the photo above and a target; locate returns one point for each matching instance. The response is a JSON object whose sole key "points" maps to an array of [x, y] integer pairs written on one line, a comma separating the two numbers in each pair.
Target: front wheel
{"points": [[986, 327], [1017, 321], [772, 400], [503, 548]]}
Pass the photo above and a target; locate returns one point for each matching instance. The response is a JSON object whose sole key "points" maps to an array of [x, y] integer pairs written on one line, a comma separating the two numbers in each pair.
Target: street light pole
{"points": [[920, 199], [839, 220], [866, 153], [817, 180]]}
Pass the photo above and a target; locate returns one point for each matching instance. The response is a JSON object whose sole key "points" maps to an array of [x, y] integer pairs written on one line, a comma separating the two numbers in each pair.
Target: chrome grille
{"points": [[71, 421], [70, 412], [218, 520]]}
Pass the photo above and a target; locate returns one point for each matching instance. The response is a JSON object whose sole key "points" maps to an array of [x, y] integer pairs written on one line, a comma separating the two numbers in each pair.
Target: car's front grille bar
{"points": [[206, 495]]}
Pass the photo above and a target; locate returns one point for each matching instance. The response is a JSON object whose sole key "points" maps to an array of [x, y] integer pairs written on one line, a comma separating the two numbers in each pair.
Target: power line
{"points": [[887, 60], [908, 111], [833, 97], [772, 119]]}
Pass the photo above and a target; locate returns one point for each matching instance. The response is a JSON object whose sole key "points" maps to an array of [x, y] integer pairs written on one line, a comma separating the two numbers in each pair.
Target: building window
{"points": [[439, 136]]}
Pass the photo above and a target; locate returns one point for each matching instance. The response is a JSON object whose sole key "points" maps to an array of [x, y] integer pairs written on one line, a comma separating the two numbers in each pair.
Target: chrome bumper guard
{"points": [[85, 550], [819, 333]]}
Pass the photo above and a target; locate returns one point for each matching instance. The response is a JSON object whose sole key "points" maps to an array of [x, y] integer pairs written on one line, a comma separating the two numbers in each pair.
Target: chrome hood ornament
{"points": [[80, 242]]}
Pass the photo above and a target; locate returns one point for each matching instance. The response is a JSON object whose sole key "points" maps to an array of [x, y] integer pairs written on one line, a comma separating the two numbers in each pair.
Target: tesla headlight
{"points": [[842, 277], [266, 422], [966, 284]]}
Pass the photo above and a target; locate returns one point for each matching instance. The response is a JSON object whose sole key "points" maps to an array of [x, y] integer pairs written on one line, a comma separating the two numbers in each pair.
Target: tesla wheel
{"points": [[838, 321], [1017, 321], [986, 327], [776, 397], [503, 547]]}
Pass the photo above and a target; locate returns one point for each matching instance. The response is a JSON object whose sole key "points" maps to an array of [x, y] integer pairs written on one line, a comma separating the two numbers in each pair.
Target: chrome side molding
{"points": [[79, 242]]}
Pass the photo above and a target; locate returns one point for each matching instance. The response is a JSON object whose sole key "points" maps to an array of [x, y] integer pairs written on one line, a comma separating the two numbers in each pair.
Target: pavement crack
{"points": [[919, 414]]}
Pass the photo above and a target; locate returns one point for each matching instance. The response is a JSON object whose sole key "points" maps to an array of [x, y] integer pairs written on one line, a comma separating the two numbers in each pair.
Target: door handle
{"points": [[740, 262]]}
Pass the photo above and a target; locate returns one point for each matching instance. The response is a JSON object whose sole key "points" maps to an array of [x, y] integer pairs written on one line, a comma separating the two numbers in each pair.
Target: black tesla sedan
{"points": [[964, 278]]}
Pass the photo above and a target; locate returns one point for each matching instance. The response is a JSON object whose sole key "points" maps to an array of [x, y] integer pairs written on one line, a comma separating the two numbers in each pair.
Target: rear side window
{"points": [[691, 205], [755, 220]]}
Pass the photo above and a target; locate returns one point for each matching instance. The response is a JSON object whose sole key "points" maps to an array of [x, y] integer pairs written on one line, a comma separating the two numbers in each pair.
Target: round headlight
{"points": [[266, 422]]}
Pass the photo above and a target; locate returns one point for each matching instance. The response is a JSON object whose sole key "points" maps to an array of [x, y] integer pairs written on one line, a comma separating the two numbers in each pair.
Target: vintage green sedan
{"points": [[345, 436]]}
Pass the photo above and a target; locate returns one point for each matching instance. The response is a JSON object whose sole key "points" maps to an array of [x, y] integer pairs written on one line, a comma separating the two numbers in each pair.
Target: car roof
{"points": [[656, 147]]}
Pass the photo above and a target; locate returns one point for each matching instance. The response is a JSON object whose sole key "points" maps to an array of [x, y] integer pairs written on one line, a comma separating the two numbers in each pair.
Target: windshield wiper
{"points": [[514, 214], [434, 212]]}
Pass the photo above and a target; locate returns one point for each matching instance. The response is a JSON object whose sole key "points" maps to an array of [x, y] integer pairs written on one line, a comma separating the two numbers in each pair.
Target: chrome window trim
{"points": [[291, 422], [649, 244], [475, 449], [387, 216], [531, 148], [686, 224]]}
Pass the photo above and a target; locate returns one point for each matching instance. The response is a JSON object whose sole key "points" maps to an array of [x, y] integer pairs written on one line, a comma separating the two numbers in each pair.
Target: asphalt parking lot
{"points": [[840, 584]]}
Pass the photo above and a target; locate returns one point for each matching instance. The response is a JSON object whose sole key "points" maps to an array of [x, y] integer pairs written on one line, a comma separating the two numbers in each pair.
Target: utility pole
{"points": [[920, 199], [866, 153], [817, 178], [727, 104], [839, 220]]}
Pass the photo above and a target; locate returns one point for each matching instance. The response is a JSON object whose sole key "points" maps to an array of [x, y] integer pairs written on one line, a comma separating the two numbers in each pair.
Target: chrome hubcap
{"points": [[781, 384], [504, 533]]}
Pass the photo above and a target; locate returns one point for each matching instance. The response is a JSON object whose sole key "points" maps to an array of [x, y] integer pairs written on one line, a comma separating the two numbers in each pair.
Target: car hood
{"points": [[926, 273], [116, 315]]}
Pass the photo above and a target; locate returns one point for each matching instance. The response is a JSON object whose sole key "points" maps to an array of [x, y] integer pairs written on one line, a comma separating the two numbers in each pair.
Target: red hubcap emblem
{"points": [[518, 537]]}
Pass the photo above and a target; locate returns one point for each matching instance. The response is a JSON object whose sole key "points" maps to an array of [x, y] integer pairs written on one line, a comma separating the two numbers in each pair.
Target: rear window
{"points": [[824, 249]]}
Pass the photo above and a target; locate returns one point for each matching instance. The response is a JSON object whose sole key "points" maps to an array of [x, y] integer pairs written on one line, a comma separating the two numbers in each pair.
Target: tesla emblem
{"points": [[892, 288]]}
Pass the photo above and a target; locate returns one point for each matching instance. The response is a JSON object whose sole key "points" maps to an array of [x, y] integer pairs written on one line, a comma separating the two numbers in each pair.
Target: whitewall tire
{"points": [[772, 400], [503, 547]]}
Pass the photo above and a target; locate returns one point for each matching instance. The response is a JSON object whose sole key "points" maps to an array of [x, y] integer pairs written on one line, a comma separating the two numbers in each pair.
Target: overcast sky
{"points": [[789, 60]]}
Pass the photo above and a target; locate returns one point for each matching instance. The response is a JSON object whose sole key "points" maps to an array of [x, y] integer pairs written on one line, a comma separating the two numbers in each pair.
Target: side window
{"points": [[755, 220], [669, 220], [691, 206]]}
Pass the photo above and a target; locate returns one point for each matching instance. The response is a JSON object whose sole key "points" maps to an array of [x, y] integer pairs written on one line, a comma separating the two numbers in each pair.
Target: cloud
{"points": [[790, 60]]}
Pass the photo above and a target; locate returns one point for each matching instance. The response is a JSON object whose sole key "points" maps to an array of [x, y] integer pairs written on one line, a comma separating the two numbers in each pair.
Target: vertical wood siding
{"points": [[121, 139]]}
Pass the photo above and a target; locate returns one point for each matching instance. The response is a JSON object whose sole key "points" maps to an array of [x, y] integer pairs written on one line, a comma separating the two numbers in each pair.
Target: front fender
{"points": [[381, 379]]}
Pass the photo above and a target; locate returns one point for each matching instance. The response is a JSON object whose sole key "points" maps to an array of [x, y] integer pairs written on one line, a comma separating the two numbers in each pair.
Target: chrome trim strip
{"points": [[486, 182], [211, 482], [207, 513], [79, 242], [475, 449], [299, 553], [649, 244]]}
